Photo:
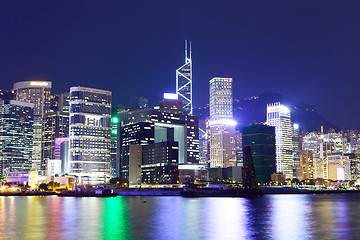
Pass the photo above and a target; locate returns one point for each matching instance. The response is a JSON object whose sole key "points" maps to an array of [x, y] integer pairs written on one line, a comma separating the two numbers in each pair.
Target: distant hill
{"points": [[253, 109]]}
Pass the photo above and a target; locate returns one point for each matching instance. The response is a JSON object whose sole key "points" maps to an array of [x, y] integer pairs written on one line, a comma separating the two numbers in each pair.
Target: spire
{"points": [[185, 50], [190, 50]]}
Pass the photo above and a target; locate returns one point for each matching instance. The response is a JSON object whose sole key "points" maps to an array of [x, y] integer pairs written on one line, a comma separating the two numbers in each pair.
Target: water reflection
{"points": [[331, 216]]}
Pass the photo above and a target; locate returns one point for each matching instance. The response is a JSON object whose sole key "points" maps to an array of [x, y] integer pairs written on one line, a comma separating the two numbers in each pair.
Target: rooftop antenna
{"points": [[185, 50]]}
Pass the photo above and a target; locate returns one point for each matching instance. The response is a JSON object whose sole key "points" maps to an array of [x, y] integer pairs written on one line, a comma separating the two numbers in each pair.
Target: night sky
{"points": [[306, 50]]}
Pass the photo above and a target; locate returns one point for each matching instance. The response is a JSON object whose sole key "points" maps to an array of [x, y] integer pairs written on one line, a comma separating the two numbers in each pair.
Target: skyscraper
{"points": [[55, 125], [307, 164], [150, 127], [16, 136], [114, 163], [261, 140], [38, 93], [222, 125], [279, 116], [184, 82], [89, 150]]}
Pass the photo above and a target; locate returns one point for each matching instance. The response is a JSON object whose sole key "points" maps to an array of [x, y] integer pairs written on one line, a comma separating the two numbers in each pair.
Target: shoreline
{"points": [[24, 194], [176, 192]]}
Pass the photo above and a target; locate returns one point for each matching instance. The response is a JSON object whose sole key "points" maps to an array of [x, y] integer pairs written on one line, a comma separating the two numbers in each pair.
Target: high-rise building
{"points": [[114, 164], [16, 136], [62, 153], [152, 126], [322, 145], [261, 140], [338, 167], [55, 125], [222, 125], [89, 150], [184, 82], [296, 151], [64, 102], [279, 116], [307, 164], [38, 93]]}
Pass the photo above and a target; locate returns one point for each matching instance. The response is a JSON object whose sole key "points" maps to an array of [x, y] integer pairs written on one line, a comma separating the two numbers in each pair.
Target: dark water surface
{"points": [[325, 216]]}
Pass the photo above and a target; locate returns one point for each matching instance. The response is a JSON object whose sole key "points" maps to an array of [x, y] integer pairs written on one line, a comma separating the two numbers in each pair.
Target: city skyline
{"points": [[302, 50]]}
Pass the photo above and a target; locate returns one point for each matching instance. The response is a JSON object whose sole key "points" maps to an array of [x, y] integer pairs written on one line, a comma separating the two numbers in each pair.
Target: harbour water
{"points": [[324, 216]]}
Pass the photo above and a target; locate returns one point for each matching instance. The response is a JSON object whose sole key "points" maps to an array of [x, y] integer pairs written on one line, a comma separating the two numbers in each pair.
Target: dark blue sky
{"points": [[306, 50]]}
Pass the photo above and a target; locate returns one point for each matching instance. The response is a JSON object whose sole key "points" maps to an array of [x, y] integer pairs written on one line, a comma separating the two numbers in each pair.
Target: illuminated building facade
{"points": [[222, 125], [322, 145], [279, 116], [307, 164], [64, 102], [184, 82], [55, 125], [159, 163], [90, 134], [261, 140], [16, 136], [338, 167], [114, 165], [62, 153], [38, 93], [296, 151], [152, 126]]}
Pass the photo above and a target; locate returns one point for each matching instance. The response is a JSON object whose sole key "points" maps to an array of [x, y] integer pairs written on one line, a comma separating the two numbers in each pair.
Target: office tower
{"points": [[307, 164], [322, 145], [38, 93], [338, 167], [152, 126], [279, 116], [156, 163], [16, 136], [238, 148], [89, 150], [64, 102], [171, 105], [54, 102], [261, 140], [62, 153], [203, 147], [55, 125], [114, 164], [222, 125], [297, 169], [354, 166], [184, 82]]}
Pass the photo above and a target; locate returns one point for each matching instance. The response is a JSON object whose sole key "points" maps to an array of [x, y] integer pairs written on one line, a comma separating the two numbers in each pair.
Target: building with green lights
{"points": [[261, 139], [114, 166]]}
